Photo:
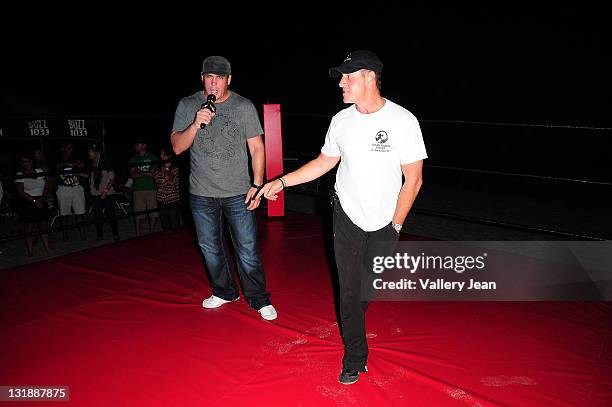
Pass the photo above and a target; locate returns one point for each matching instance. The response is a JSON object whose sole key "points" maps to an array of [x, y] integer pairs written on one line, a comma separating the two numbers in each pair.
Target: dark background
{"points": [[537, 64]]}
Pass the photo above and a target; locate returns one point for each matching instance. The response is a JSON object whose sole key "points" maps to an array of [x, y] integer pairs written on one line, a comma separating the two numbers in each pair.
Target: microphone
{"points": [[210, 105]]}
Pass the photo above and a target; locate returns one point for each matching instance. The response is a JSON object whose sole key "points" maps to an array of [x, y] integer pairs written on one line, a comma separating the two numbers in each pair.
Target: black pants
{"points": [[101, 207], [169, 215], [353, 248]]}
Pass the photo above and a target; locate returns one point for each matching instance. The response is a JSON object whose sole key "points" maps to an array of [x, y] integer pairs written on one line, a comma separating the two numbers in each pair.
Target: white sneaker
{"points": [[215, 302], [268, 312]]}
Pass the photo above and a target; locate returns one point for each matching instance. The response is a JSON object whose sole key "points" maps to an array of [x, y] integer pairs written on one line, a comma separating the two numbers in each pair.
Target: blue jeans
{"points": [[208, 214]]}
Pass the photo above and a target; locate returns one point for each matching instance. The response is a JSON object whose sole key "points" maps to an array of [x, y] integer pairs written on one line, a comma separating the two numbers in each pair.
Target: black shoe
{"points": [[349, 376]]}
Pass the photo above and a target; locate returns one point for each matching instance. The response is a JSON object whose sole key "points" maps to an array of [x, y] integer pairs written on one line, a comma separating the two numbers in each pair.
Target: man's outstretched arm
{"points": [[307, 172]]}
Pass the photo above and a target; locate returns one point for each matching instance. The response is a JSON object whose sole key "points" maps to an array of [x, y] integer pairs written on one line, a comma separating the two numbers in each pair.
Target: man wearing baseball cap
{"points": [[216, 125], [376, 142]]}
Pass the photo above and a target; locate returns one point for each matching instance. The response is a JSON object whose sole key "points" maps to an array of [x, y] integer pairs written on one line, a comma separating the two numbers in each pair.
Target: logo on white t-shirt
{"points": [[382, 137], [381, 145]]}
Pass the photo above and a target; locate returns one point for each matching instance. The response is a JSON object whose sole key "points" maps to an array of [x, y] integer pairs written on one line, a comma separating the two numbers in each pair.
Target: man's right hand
{"points": [[203, 116], [270, 190]]}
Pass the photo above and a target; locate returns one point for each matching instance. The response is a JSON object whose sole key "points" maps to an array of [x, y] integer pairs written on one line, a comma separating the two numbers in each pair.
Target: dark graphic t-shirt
{"points": [[67, 174]]}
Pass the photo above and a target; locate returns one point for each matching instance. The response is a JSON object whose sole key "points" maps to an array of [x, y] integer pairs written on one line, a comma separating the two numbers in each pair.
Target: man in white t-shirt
{"points": [[376, 142]]}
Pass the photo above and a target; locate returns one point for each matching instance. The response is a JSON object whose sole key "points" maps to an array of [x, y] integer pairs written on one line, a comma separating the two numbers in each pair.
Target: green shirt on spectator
{"points": [[144, 164]]}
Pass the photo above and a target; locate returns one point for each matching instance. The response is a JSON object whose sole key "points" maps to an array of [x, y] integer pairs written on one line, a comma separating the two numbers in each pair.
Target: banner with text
{"points": [[51, 128]]}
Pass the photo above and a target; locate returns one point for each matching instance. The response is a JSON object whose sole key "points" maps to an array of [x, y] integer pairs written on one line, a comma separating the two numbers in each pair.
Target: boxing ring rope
{"points": [[519, 175]]}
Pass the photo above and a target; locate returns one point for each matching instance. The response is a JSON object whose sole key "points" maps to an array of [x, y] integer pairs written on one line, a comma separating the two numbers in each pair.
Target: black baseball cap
{"points": [[216, 64], [356, 60]]}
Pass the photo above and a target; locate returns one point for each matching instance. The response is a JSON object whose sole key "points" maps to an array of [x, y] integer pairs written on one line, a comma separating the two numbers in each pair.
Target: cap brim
{"points": [[341, 70], [345, 68], [215, 72]]}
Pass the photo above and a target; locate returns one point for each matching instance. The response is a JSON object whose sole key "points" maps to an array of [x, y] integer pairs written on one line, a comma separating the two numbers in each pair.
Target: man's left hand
{"points": [[253, 203]]}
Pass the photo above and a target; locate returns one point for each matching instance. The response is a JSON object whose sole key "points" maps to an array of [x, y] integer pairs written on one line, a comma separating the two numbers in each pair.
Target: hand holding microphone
{"points": [[210, 105]]}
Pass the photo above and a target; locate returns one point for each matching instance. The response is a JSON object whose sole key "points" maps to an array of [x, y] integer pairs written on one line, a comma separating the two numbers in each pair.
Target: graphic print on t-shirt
{"points": [[380, 145], [224, 142], [145, 166], [67, 176]]}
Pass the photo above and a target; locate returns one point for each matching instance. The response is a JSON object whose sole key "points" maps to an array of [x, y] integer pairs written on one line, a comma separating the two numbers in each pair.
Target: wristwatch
{"points": [[396, 226], [254, 185]]}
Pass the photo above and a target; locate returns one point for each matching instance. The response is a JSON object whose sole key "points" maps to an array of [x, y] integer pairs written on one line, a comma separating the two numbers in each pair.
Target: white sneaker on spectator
{"points": [[215, 302], [268, 312]]}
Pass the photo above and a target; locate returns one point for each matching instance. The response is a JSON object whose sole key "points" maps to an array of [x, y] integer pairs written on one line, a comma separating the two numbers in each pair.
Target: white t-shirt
{"points": [[372, 147], [32, 186]]}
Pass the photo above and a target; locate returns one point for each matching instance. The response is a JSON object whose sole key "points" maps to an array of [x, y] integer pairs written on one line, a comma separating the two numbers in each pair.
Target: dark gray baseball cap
{"points": [[216, 64]]}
